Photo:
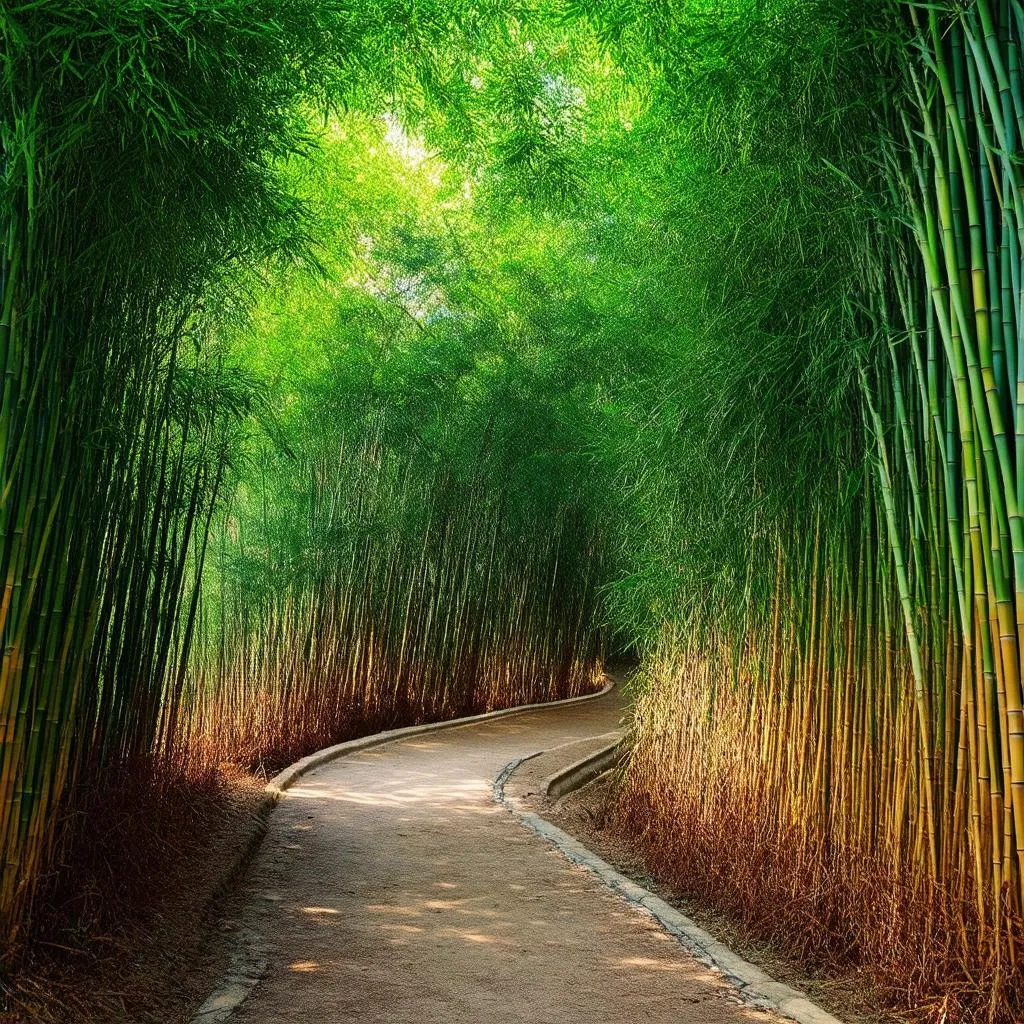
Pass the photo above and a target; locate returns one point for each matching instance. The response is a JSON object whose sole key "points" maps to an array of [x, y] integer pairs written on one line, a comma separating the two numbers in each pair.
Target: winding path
{"points": [[392, 889]]}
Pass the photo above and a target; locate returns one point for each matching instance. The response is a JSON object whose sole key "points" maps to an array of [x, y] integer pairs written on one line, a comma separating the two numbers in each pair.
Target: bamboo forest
{"points": [[368, 364]]}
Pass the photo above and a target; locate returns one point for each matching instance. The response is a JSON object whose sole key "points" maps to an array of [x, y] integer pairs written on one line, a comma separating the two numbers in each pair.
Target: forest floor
{"points": [[589, 816], [160, 958], [391, 888]]}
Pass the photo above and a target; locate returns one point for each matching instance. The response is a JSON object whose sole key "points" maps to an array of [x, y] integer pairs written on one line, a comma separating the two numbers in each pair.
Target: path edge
{"points": [[757, 988], [584, 771], [284, 780]]}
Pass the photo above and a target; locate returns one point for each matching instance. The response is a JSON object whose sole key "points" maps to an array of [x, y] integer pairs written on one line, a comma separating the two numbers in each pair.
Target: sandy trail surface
{"points": [[391, 888]]}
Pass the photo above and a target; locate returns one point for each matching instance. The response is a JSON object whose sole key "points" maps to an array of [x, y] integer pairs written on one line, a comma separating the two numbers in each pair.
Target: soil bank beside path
{"points": [[392, 889]]}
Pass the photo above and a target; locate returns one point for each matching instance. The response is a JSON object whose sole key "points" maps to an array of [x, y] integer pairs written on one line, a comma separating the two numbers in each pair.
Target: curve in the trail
{"points": [[391, 888]]}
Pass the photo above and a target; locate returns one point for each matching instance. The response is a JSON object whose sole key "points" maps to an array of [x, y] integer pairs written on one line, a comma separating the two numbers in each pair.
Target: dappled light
{"points": [[441, 918], [461, 796], [630, 963], [369, 365]]}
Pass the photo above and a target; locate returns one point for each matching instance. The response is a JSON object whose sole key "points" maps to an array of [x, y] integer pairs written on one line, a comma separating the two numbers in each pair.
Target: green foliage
{"points": [[351, 348], [146, 198], [614, 265]]}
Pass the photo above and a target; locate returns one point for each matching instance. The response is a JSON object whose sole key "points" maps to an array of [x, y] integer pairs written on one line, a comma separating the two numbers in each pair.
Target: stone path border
{"points": [[756, 987], [248, 964], [284, 780], [585, 770], [249, 956]]}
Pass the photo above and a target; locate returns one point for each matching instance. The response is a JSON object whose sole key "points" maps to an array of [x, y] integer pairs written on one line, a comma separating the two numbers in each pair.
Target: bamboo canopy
{"points": [[371, 364]]}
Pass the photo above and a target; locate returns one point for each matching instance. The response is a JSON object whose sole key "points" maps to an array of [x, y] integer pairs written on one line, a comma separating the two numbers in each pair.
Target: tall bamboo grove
{"points": [[143, 187], [387, 593], [843, 762], [136, 174]]}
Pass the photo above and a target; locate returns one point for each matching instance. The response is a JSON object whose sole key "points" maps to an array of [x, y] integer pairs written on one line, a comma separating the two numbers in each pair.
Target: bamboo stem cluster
{"points": [[113, 453], [407, 595], [869, 748], [143, 186]]}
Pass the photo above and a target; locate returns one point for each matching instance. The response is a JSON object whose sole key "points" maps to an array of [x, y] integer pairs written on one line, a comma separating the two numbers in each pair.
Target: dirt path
{"points": [[391, 888]]}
